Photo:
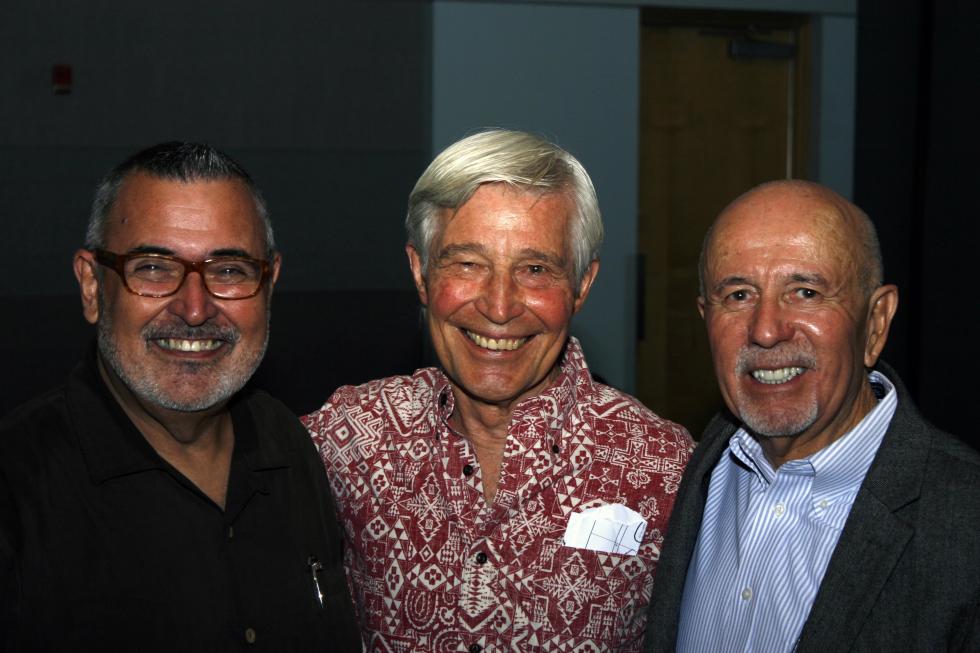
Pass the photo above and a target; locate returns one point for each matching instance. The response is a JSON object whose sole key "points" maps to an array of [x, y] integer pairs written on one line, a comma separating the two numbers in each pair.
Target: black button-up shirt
{"points": [[105, 546]]}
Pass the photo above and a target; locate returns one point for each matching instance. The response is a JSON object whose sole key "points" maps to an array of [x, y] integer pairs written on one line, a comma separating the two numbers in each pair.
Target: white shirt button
{"points": [[747, 594], [823, 503], [779, 509]]}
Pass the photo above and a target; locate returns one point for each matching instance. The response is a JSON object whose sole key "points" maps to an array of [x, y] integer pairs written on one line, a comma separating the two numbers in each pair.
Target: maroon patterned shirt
{"points": [[434, 567]]}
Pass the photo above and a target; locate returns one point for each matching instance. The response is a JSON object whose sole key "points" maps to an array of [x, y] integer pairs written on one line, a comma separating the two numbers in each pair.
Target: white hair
{"points": [[517, 158]]}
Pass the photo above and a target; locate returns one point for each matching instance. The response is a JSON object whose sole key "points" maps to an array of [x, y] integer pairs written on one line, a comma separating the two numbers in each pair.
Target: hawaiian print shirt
{"points": [[434, 567]]}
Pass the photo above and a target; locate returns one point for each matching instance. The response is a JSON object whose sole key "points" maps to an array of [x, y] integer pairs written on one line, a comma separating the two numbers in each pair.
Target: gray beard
{"points": [[766, 423], [148, 388]]}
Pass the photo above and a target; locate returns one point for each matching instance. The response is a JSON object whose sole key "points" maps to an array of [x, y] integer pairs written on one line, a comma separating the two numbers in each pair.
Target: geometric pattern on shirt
{"points": [[433, 567]]}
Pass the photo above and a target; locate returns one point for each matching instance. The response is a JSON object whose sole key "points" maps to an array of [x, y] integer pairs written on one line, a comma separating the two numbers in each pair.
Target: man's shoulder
{"points": [[32, 423], [265, 409], [956, 465], [410, 394], [38, 441], [926, 476], [947, 458], [607, 403], [264, 406]]}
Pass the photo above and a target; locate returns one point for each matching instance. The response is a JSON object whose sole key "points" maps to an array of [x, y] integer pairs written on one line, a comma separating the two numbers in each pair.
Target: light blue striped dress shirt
{"points": [[767, 536]]}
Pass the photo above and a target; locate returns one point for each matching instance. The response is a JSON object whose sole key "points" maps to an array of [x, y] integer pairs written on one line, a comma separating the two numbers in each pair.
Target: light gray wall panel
{"points": [[571, 74]]}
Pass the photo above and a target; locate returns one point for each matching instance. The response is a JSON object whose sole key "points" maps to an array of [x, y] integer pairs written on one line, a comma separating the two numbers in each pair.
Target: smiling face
{"points": [[189, 351], [790, 326], [500, 292]]}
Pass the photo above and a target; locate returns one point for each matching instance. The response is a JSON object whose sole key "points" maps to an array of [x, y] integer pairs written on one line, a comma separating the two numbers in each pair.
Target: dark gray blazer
{"points": [[905, 575]]}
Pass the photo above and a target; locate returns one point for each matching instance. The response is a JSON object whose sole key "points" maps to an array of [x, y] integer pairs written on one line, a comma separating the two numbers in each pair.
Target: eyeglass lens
{"points": [[226, 277]]}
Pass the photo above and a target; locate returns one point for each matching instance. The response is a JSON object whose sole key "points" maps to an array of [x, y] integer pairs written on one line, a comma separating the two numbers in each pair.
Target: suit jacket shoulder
{"points": [[906, 571], [905, 574]]}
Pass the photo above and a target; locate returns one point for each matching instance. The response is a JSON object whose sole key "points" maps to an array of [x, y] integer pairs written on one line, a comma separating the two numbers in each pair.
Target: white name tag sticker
{"points": [[612, 528]]}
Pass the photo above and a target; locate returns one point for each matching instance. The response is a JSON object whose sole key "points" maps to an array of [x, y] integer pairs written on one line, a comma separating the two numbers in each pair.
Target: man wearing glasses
{"points": [[150, 504]]}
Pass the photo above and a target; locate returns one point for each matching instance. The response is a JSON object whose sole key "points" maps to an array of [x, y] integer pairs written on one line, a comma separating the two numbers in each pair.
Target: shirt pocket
{"points": [[593, 595]]}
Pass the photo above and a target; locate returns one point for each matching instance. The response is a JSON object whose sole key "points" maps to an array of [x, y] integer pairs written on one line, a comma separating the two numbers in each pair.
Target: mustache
{"points": [[785, 355], [204, 331]]}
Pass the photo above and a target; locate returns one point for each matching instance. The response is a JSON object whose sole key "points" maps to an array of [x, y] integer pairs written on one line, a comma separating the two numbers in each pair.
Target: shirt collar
{"points": [[839, 467], [561, 397], [111, 444]]}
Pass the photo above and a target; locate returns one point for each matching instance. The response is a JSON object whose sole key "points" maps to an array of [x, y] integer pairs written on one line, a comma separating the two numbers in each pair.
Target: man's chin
{"points": [[185, 395], [778, 424], [194, 387], [187, 404]]}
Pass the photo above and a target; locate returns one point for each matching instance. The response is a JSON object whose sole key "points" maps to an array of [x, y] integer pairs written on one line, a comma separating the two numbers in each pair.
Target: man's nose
{"points": [[500, 298], [192, 302], [770, 323]]}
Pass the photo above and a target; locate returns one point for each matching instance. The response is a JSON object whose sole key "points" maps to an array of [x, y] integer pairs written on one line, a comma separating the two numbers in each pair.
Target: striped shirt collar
{"points": [[838, 468]]}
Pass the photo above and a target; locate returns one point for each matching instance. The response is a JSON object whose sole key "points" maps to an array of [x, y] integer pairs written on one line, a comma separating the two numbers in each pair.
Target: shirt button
{"points": [[779, 509], [747, 594], [481, 558], [250, 635], [823, 503], [467, 470], [475, 648], [555, 448]]}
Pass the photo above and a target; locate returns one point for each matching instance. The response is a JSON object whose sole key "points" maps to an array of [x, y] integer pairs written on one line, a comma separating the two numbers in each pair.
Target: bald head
{"points": [[795, 313], [812, 207]]}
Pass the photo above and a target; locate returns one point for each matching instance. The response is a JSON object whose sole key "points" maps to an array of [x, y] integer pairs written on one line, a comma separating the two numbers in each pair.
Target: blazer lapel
{"points": [[682, 535], [874, 536]]}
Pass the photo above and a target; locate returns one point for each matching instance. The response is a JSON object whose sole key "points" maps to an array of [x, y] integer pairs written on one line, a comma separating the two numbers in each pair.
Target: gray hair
{"points": [[871, 269], [177, 161], [517, 158]]}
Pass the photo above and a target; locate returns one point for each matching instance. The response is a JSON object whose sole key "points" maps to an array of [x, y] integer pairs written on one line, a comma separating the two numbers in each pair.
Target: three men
{"points": [[461, 487], [823, 513], [150, 504]]}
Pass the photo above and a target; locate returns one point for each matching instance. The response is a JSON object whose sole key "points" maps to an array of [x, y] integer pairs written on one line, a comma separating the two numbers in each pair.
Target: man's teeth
{"points": [[189, 345], [496, 344], [772, 377]]}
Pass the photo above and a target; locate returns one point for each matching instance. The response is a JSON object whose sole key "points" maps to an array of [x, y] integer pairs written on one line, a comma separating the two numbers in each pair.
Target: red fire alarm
{"points": [[61, 79]]}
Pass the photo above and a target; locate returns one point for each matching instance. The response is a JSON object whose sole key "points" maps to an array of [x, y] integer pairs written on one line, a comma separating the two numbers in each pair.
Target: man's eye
{"points": [[738, 296], [464, 266], [152, 269], [536, 269], [229, 272], [807, 293]]}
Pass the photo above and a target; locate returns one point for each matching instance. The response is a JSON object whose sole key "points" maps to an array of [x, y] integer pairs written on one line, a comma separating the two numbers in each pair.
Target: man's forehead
{"points": [[141, 188], [787, 218], [800, 236], [151, 212], [497, 208]]}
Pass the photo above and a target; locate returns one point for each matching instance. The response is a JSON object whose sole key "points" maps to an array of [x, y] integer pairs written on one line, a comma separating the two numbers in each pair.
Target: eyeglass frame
{"points": [[117, 263]]}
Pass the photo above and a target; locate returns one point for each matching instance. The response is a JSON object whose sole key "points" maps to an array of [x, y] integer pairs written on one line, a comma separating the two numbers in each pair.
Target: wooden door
{"points": [[722, 108]]}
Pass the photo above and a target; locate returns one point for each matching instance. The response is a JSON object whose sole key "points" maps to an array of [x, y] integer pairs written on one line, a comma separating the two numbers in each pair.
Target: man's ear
{"points": [[881, 310], [418, 274], [274, 274], [585, 285], [84, 265]]}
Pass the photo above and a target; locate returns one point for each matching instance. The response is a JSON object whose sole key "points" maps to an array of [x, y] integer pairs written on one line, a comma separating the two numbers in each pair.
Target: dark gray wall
{"points": [[580, 91], [916, 171], [325, 103]]}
